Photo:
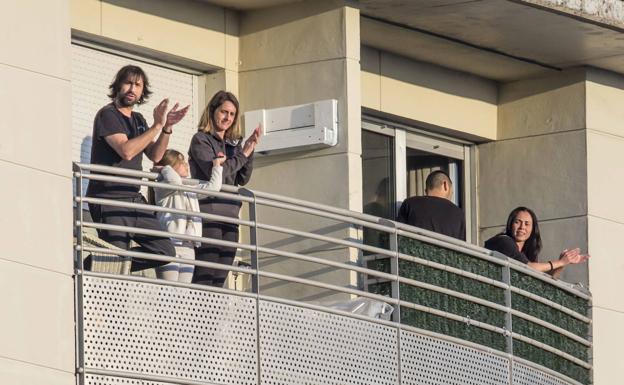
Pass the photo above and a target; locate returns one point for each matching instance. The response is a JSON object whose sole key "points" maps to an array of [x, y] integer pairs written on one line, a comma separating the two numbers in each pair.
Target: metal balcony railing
{"points": [[461, 313]]}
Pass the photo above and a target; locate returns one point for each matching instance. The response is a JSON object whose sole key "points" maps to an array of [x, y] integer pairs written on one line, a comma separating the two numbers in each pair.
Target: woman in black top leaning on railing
{"points": [[522, 241], [219, 131]]}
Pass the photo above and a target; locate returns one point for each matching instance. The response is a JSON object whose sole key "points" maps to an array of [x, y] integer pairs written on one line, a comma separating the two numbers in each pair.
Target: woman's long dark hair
{"points": [[533, 245]]}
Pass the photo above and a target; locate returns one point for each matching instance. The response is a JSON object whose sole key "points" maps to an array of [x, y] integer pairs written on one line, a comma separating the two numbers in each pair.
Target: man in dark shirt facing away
{"points": [[435, 211], [120, 137]]}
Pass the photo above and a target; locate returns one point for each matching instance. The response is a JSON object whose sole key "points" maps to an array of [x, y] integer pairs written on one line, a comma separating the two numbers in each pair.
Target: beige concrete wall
{"points": [[192, 30], [36, 261], [539, 161], [605, 156], [452, 100], [287, 58]]}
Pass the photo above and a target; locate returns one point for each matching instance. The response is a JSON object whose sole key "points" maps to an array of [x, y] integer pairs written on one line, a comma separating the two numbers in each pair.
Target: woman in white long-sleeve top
{"points": [[174, 168]]}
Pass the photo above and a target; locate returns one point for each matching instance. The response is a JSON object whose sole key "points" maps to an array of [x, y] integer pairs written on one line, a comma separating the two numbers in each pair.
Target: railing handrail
{"points": [[317, 208], [344, 216]]}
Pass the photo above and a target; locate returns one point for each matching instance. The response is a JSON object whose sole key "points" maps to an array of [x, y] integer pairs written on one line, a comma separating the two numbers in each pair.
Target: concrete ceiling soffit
{"points": [[430, 48], [608, 13], [512, 28]]}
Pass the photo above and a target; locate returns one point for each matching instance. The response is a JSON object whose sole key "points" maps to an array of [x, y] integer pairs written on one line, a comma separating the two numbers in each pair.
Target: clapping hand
{"points": [[252, 141], [168, 119], [573, 256]]}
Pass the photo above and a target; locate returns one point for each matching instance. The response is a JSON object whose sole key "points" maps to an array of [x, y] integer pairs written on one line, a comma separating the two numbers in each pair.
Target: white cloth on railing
{"points": [[365, 306]]}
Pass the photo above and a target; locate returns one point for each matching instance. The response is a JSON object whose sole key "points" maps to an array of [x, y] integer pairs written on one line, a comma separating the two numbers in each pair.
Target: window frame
{"points": [[437, 144]]}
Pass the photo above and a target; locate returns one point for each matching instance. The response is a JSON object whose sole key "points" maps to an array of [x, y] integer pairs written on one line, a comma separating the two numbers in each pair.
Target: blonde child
{"points": [[174, 168]]}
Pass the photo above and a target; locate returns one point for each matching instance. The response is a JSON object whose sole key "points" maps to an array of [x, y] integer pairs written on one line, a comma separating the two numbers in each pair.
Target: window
{"points": [[396, 161]]}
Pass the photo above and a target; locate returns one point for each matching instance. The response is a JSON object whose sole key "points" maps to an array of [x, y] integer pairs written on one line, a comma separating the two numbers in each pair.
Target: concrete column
{"points": [[297, 54], [560, 152], [605, 181], [37, 304], [539, 161]]}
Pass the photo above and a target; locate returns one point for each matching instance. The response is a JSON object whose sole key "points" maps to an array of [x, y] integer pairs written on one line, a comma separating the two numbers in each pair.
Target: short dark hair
{"points": [[533, 245], [435, 180], [124, 73]]}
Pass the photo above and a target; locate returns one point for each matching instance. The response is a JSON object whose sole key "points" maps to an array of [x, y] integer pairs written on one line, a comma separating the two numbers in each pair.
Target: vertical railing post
{"points": [[78, 276], [78, 219], [255, 277], [393, 245], [508, 318]]}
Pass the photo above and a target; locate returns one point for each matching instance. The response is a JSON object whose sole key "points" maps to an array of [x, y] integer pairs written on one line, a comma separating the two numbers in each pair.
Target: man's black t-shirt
{"points": [[433, 213], [108, 121]]}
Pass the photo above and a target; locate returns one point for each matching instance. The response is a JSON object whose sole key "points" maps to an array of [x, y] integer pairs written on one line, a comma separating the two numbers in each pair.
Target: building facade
{"points": [[517, 100]]}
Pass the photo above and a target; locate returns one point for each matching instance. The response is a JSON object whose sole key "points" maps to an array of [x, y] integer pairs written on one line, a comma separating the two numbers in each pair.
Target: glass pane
{"points": [[419, 164], [378, 175], [378, 184]]}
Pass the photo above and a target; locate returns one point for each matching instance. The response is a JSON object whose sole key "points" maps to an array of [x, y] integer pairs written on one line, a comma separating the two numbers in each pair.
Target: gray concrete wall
{"points": [[37, 304], [560, 147], [539, 161], [297, 54]]}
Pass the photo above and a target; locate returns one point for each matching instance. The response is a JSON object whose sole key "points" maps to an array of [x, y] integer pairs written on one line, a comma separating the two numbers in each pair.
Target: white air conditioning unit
{"points": [[303, 127]]}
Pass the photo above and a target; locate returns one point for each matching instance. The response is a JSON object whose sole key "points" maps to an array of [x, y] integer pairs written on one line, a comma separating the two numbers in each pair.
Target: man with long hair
{"points": [[120, 137]]}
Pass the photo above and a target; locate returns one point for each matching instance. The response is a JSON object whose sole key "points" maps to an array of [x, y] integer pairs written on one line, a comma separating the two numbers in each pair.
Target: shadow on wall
{"points": [[526, 88], [277, 15], [189, 12], [428, 76]]}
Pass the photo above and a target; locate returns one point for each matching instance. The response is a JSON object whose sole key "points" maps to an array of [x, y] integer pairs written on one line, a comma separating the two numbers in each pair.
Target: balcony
{"points": [[462, 315]]}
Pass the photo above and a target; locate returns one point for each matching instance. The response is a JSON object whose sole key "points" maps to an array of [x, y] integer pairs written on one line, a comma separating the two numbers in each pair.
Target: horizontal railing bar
{"points": [[321, 261], [552, 327], [148, 207], [156, 281], [165, 234], [454, 270], [228, 244], [445, 238], [461, 249], [314, 205], [328, 286], [453, 293], [495, 306], [369, 218], [168, 186], [548, 279], [163, 258], [455, 317], [550, 349], [312, 211], [360, 219], [220, 218], [551, 304], [324, 238], [142, 376], [139, 174]]}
